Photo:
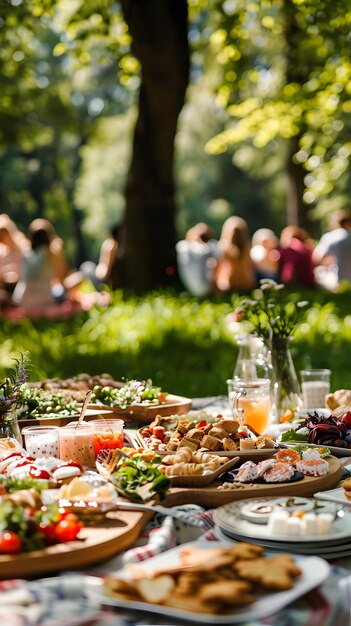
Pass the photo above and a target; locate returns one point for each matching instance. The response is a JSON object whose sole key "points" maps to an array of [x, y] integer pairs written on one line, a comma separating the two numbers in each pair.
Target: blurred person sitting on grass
{"points": [[110, 267], [295, 263], [265, 254], [13, 245], [46, 286], [235, 270], [332, 255], [197, 256]]}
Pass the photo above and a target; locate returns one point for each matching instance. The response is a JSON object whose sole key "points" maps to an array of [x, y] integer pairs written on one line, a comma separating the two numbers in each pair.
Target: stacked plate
{"points": [[246, 520]]}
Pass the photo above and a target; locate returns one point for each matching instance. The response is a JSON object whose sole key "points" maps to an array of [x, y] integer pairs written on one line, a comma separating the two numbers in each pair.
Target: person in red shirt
{"points": [[295, 263]]}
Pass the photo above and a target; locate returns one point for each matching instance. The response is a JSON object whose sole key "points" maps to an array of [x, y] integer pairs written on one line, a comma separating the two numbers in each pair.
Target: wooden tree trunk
{"points": [[296, 72], [160, 42], [296, 207]]}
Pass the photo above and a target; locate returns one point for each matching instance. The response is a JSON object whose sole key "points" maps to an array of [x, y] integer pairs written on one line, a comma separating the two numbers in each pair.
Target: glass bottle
{"points": [[253, 360]]}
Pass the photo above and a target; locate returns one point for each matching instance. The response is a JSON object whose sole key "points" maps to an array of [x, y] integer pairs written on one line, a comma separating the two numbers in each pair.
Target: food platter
{"points": [[195, 421], [91, 413], [97, 543], [212, 496], [335, 451], [145, 413], [203, 480], [244, 455], [314, 571], [232, 522]]}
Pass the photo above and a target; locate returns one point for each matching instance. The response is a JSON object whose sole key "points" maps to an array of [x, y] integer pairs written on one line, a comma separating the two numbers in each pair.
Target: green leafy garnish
{"points": [[323, 451], [292, 435], [17, 483], [140, 480]]}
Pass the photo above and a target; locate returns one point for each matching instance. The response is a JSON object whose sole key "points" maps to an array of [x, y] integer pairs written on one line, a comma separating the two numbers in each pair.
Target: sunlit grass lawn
{"points": [[181, 343]]}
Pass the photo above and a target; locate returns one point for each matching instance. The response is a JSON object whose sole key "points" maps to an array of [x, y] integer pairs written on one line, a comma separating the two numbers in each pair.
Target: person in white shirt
{"points": [[197, 256], [332, 255]]}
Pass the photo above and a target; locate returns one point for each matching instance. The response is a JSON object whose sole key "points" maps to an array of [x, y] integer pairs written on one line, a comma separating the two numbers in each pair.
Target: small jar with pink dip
{"points": [[76, 443]]}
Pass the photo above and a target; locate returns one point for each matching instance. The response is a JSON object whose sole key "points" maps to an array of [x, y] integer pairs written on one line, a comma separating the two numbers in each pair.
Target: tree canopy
{"points": [[268, 103]]}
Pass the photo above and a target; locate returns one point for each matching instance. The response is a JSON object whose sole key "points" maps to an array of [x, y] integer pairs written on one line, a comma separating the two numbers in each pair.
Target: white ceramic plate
{"points": [[333, 495], [230, 521], [326, 552], [314, 572], [338, 452]]}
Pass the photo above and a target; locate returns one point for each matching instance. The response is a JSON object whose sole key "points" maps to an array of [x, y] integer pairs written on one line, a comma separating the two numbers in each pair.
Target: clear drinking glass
{"points": [[107, 434], [41, 440], [315, 386], [250, 401]]}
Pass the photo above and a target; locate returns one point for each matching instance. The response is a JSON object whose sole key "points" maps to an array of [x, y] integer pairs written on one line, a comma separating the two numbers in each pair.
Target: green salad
{"points": [[141, 480], [38, 403], [323, 451], [133, 392]]}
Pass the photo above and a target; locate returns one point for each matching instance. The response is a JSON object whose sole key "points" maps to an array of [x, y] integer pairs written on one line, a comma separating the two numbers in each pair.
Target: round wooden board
{"points": [[211, 497], [97, 543]]}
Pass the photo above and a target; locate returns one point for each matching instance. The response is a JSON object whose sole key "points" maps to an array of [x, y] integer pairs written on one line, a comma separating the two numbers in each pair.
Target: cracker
{"points": [[155, 590], [277, 572], [228, 592]]}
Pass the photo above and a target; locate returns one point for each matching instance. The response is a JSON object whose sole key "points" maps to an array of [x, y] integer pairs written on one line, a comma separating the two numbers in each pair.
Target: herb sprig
{"points": [[269, 311], [10, 387]]}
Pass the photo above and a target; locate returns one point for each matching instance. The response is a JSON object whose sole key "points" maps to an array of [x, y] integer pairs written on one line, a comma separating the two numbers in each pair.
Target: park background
{"points": [[162, 114]]}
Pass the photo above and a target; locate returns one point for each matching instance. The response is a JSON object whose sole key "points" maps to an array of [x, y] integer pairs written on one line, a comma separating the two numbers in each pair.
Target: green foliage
{"points": [[182, 344], [286, 73]]}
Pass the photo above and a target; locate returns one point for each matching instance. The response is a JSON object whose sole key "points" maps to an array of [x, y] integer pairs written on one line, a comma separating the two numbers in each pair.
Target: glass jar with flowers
{"points": [[10, 398], [274, 317]]}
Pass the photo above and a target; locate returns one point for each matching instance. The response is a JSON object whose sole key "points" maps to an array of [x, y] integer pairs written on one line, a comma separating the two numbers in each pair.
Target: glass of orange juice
{"points": [[251, 402]]}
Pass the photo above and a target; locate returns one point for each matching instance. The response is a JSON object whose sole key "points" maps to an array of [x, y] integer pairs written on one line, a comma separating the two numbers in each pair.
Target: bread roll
{"points": [[229, 444], [212, 443]]}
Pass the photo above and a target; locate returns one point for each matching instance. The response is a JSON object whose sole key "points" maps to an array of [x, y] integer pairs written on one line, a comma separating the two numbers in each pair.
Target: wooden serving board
{"points": [[91, 414], [145, 413], [97, 543], [211, 497]]}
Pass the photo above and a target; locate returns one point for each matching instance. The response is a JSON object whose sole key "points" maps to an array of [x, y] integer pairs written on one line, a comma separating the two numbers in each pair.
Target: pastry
{"points": [[313, 467], [279, 473]]}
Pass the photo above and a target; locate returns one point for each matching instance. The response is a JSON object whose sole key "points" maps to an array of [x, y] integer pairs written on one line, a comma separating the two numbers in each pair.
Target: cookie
{"points": [[277, 572]]}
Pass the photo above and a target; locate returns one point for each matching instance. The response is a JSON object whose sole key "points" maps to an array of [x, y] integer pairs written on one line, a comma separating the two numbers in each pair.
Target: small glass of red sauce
{"points": [[107, 434]]}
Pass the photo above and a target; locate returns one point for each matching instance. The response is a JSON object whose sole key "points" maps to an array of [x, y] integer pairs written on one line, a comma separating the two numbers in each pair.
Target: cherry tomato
{"points": [[49, 532], [71, 517], [161, 397], [67, 530], [10, 543], [66, 514]]}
